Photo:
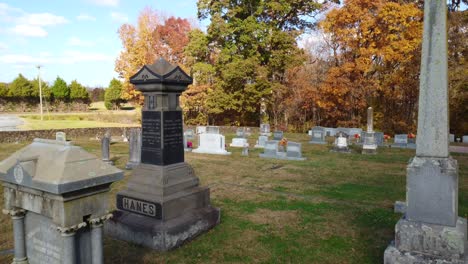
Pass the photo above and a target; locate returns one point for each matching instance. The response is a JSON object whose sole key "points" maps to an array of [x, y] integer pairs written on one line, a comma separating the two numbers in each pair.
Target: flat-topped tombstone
{"points": [[240, 132], [201, 129], [317, 135], [265, 129], [163, 205], [211, 144], [465, 139], [452, 138], [271, 148], [294, 151], [212, 130], [189, 133], [57, 196], [261, 141], [379, 139], [278, 135], [239, 143], [329, 131]]}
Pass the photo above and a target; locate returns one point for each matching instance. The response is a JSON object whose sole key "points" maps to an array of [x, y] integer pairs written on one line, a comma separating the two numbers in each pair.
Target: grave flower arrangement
{"points": [[411, 135], [283, 142], [189, 144], [386, 137]]}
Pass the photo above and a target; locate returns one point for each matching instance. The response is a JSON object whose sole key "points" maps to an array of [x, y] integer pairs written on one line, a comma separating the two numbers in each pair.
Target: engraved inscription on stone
{"points": [[138, 206], [173, 137], [151, 137], [18, 173], [43, 243]]}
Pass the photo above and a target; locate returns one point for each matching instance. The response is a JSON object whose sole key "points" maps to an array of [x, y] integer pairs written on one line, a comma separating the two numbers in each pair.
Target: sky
{"points": [[76, 40]]}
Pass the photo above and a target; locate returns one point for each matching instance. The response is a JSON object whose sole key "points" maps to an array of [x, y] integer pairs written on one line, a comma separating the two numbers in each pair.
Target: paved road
{"points": [[9, 122]]}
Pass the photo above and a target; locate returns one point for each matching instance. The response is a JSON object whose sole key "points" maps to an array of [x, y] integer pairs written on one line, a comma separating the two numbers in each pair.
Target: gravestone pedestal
{"points": [[369, 146], [163, 205]]}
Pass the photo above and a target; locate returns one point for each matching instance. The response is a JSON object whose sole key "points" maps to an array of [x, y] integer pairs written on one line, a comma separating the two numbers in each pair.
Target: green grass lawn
{"points": [[80, 120], [331, 208]]}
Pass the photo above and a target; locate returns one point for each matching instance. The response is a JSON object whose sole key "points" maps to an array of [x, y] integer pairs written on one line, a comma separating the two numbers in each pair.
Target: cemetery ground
{"points": [[331, 208]]}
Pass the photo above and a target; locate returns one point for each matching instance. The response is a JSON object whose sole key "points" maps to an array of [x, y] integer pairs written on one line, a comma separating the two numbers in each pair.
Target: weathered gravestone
{"points": [[201, 129], [163, 205], [134, 149], [465, 139], [61, 136], [105, 148], [379, 139], [317, 135], [261, 141], [278, 135], [265, 130], [56, 194], [329, 131], [369, 146], [452, 138], [240, 140], [400, 141], [212, 130], [431, 231], [341, 143], [293, 151]]}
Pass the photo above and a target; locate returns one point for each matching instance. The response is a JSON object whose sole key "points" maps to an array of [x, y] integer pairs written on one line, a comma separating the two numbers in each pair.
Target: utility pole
{"points": [[40, 89]]}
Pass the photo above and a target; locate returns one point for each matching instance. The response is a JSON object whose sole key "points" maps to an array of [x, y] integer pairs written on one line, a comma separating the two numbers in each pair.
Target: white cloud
{"points": [[28, 24], [85, 17], [119, 17], [75, 41], [28, 31], [42, 19], [67, 57], [3, 46], [105, 2]]}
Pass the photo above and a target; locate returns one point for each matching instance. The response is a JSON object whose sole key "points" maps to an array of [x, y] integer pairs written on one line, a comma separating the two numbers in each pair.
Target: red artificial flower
{"points": [[356, 136], [189, 144], [386, 137], [411, 135]]}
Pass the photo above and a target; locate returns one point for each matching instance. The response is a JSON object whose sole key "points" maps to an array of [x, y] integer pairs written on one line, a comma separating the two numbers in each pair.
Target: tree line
{"points": [[23, 95], [365, 53]]}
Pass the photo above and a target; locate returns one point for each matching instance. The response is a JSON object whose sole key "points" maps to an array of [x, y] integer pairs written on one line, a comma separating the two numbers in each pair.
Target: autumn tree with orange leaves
{"points": [[152, 37], [377, 64]]}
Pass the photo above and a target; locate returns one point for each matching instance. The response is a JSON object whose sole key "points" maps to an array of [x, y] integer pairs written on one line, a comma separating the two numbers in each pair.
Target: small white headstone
{"points": [[60, 136]]}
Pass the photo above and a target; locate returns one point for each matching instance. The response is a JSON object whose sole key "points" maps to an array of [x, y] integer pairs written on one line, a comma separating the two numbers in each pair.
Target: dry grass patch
{"points": [[277, 219]]}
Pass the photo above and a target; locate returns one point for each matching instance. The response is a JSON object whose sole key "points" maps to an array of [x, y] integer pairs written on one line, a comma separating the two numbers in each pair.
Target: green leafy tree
{"points": [[250, 45], [60, 90], [46, 92], [21, 88], [3, 90], [78, 92], [112, 97]]}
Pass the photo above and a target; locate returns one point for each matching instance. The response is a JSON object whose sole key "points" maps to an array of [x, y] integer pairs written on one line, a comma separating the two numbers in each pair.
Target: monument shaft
{"points": [[432, 140]]}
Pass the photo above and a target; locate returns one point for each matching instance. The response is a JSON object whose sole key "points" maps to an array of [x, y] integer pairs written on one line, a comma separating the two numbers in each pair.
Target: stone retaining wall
{"points": [[29, 135]]}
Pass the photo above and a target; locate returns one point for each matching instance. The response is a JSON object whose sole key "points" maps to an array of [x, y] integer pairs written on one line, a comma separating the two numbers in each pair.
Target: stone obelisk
{"points": [[369, 146], [431, 231]]}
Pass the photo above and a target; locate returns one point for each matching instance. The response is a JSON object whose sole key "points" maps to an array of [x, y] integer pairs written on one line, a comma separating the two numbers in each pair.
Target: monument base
{"points": [[369, 149], [318, 142], [341, 150], [210, 151], [188, 149], [161, 235], [282, 156], [131, 165], [417, 242]]}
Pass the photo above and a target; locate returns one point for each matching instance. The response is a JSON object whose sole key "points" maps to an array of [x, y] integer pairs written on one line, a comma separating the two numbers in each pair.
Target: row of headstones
{"points": [[211, 141]]}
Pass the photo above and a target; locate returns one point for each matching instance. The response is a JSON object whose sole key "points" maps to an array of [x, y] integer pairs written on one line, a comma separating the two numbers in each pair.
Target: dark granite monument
{"points": [[163, 205]]}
